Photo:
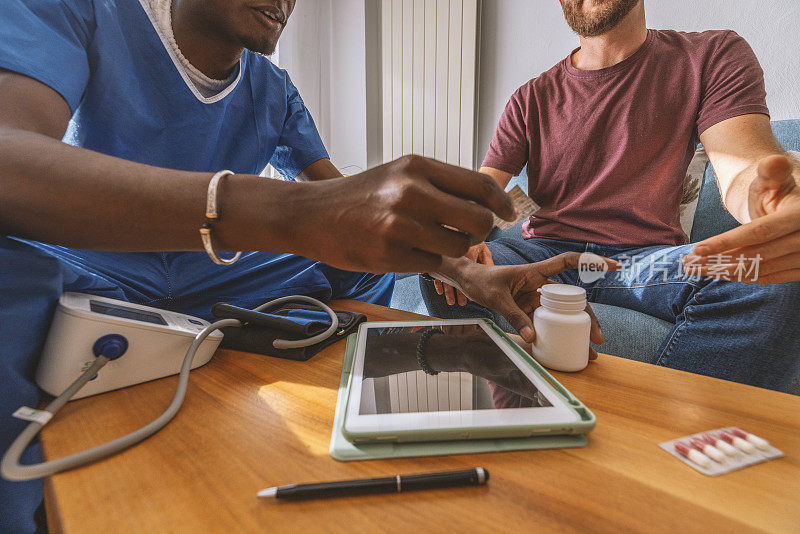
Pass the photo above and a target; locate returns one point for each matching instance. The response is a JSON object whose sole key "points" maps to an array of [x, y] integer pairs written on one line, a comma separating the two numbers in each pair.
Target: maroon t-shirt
{"points": [[607, 150]]}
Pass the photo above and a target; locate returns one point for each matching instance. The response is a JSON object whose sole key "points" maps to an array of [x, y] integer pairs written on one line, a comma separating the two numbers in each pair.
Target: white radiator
{"points": [[429, 65], [416, 391]]}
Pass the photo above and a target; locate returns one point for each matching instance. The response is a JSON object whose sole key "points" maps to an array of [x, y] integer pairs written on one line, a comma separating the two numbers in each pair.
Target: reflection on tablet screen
{"points": [[474, 373]]}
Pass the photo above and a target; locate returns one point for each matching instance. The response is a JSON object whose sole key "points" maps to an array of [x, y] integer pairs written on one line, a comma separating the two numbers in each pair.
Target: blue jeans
{"points": [[731, 330], [34, 275]]}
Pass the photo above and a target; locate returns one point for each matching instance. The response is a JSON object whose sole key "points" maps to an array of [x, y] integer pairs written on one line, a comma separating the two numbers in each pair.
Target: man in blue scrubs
{"points": [[114, 116]]}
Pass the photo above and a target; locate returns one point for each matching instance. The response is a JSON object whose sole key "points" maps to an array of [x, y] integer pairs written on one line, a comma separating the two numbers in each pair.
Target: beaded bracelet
{"points": [[422, 345], [211, 217]]}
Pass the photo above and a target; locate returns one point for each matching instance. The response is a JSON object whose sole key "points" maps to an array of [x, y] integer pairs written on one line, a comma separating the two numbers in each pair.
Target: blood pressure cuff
{"points": [[290, 321]]}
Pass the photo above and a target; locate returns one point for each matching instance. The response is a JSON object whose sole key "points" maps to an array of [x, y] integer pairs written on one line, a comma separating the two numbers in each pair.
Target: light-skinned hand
{"points": [[773, 233]]}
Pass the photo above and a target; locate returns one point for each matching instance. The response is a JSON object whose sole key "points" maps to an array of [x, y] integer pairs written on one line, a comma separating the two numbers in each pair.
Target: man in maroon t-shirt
{"points": [[607, 135]]}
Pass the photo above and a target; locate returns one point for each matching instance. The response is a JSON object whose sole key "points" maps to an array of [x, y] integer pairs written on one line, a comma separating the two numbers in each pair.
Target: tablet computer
{"points": [[483, 387]]}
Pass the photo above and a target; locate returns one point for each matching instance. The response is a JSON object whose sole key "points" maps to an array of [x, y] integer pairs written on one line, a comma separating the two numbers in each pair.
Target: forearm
{"points": [[71, 196], [322, 169], [502, 178]]}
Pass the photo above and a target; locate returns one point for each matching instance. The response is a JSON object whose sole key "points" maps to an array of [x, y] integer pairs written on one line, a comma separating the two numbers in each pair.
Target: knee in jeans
{"points": [[435, 303], [778, 307], [787, 295]]}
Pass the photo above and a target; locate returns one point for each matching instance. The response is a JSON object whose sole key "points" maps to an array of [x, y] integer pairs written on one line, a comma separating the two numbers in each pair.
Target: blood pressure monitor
{"points": [[89, 334], [157, 339]]}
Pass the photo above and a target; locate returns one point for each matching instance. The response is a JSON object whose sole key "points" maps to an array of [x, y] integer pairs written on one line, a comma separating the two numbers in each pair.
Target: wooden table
{"points": [[251, 422]]}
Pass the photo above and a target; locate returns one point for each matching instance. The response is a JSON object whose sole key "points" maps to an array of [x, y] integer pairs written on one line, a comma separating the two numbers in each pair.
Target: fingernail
{"points": [[701, 250], [527, 333]]}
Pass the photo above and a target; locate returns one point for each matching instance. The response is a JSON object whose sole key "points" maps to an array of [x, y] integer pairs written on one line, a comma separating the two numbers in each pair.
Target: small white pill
{"points": [[699, 458], [744, 445], [758, 442], [727, 448], [692, 454], [737, 442], [752, 438], [719, 444], [708, 450]]}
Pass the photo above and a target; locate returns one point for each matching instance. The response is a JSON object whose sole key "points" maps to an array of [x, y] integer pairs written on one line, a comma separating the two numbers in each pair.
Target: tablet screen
{"points": [[473, 372]]}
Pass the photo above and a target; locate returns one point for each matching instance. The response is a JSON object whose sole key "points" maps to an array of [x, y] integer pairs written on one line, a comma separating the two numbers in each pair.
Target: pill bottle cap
{"points": [[563, 297]]}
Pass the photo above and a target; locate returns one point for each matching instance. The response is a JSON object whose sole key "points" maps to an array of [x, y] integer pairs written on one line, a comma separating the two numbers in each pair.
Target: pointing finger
{"points": [[516, 318], [762, 230], [566, 261]]}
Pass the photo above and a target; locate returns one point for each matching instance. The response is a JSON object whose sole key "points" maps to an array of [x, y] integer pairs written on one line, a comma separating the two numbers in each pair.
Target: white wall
{"points": [[348, 132], [522, 38], [323, 49], [304, 51]]}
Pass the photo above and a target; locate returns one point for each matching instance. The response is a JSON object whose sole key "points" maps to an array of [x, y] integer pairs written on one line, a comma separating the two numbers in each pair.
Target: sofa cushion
{"points": [[787, 133], [691, 189]]}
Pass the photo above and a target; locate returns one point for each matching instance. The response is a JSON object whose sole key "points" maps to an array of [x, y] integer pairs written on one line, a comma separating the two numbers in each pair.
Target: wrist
{"points": [[422, 350], [441, 355], [735, 192], [259, 213], [456, 269]]}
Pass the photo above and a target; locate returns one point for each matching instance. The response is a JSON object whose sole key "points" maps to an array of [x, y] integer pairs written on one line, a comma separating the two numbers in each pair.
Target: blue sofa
{"points": [[629, 333]]}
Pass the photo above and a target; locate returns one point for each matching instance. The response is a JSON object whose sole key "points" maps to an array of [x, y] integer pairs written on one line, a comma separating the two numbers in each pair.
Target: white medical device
{"points": [[157, 343], [131, 344]]}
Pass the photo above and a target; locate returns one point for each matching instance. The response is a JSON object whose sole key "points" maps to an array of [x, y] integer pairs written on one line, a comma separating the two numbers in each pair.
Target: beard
{"points": [[264, 46], [602, 21]]}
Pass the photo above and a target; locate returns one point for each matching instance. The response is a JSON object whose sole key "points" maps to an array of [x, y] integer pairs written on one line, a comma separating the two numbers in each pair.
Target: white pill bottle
{"points": [[562, 328]]}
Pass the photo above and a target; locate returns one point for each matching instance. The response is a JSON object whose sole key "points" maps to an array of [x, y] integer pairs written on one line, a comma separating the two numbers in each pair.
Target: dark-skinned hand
{"points": [[512, 290], [403, 216]]}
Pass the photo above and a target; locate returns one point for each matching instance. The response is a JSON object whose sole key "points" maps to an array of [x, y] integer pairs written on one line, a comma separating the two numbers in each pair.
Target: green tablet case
{"points": [[344, 450]]}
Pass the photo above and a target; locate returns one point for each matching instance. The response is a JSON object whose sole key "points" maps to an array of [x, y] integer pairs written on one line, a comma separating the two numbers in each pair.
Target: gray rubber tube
{"points": [[10, 467], [307, 342]]}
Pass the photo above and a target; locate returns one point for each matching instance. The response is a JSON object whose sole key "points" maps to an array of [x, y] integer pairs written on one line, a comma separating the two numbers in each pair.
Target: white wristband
{"points": [[212, 216]]}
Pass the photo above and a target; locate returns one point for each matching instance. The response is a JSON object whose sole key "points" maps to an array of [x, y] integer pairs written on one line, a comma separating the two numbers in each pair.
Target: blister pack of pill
{"points": [[720, 451], [524, 205]]}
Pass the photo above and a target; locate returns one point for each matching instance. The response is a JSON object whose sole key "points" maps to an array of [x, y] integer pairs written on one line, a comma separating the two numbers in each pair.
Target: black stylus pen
{"points": [[464, 477]]}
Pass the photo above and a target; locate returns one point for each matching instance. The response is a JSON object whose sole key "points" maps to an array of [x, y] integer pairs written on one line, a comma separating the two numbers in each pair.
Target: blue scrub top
{"points": [[130, 97]]}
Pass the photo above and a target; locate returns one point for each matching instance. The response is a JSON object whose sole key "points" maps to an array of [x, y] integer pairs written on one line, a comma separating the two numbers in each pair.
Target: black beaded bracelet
{"points": [[422, 345]]}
